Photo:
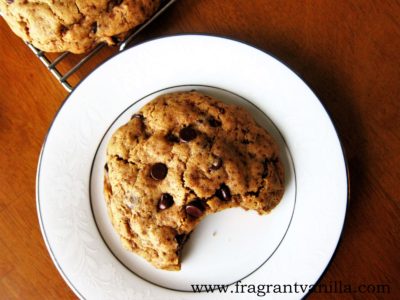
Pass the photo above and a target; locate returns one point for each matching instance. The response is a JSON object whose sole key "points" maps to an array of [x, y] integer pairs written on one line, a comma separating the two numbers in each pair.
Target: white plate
{"points": [[292, 245]]}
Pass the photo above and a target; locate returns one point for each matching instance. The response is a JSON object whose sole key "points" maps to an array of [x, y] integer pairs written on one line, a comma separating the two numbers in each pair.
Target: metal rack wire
{"points": [[51, 64]]}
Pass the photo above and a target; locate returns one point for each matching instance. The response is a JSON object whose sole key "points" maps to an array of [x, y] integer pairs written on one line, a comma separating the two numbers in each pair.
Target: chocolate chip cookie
{"points": [[181, 157], [75, 26]]}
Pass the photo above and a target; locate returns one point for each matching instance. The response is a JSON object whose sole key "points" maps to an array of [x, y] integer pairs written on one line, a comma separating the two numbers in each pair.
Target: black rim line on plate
{"points": [[290, 161], [202, 35]]}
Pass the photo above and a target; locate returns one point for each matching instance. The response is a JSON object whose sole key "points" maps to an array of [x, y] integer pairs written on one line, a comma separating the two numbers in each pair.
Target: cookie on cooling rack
{"points": [[75, 26], [183, 156]]}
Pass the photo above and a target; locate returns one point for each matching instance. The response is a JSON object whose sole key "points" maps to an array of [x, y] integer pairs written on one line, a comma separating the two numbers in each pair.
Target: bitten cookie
{"points": [[75, 26], [181, 157]]}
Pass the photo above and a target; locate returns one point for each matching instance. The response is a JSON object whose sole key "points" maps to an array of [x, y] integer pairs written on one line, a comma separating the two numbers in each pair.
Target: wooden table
{"points": [[348, 53]]}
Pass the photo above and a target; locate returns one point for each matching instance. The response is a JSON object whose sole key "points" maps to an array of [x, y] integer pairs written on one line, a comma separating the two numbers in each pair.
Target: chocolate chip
{"points": [[10, 1], [195, 208], [93, 27], [181, 238], [214, 123], [63, 29], [245, 142], [223, 193], [170, 137], [217, 163], [187, 134], [158, 171], [137, 116], [106, 167], [116, 39], [112, 3], [166, 201], [209, 141], [193, 211]]}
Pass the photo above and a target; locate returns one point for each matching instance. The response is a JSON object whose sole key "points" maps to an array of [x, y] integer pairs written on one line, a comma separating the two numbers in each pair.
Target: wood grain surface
{"points": [[346, 51]]}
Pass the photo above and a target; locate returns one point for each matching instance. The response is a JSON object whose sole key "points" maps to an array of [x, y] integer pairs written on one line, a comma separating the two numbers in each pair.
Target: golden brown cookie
{"points": [[181, 157], [75, 26]]}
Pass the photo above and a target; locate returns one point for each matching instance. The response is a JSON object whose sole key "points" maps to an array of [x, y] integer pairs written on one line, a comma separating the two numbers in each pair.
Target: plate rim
{"points": [[195, 34]]}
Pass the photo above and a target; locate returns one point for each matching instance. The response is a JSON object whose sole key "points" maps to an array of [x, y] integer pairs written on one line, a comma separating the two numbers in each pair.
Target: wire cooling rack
{"points": [[52, 63]]}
